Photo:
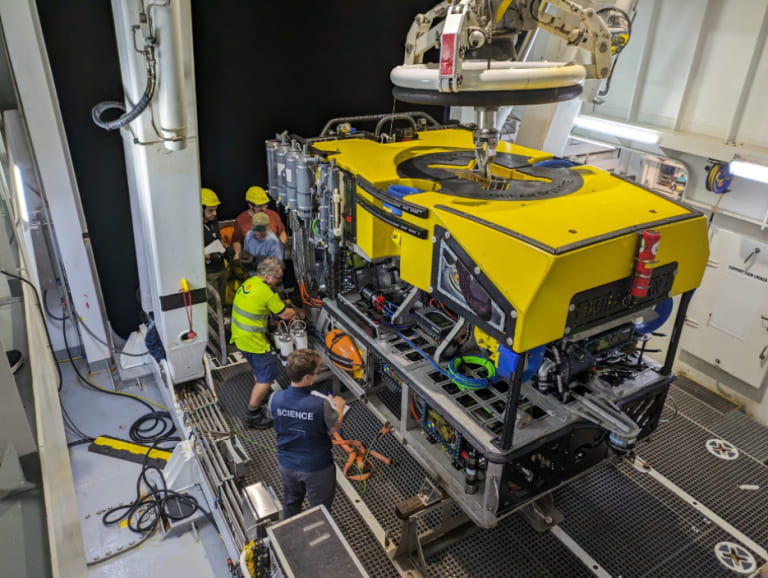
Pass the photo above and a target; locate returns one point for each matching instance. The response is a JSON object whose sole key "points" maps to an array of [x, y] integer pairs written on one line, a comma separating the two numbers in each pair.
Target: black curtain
{"points": [[261, 68]]}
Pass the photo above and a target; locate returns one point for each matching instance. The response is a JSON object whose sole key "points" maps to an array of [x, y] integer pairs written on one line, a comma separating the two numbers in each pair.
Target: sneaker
{"points": [[15, 359], [257, 419]]}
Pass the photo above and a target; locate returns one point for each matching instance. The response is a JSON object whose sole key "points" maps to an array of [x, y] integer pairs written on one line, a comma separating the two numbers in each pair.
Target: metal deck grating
{"points": [[711, 398], [389, 484], [260, 446], [625, 528], [689, 515], [692, 407], [744, 433], [513, 548], [697, 559], [679, 453], [608, 512]]}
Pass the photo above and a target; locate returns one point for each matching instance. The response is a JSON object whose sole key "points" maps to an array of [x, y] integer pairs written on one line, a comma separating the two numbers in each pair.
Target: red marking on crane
{"points": [[447, 54]]}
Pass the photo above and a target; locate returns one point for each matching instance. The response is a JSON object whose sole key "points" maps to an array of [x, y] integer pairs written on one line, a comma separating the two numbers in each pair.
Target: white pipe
{"points": [[500, 75], [172, 102], [244, 564]]}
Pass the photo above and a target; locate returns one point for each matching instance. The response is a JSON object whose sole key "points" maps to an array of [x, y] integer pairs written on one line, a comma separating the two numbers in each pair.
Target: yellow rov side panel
{"points": [[374, 236], [544, 318], [538, 250]]}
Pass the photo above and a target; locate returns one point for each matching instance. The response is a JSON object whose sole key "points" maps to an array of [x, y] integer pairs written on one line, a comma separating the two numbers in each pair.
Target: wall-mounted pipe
{"points": [[171, 97]]}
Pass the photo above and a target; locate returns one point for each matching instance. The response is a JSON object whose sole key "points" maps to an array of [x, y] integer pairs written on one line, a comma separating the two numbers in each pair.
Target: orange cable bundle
{"points": [[358, 455]]}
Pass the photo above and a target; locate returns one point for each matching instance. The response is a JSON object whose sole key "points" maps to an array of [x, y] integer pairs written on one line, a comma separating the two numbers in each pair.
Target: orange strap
{"points": [[357, 456]]}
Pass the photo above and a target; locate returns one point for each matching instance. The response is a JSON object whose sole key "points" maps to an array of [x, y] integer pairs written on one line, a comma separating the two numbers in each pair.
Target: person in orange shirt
{"points": [[257, 200]]}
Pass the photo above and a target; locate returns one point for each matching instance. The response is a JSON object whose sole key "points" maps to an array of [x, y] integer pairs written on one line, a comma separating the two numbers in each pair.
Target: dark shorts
{"points": [[264, 366]]}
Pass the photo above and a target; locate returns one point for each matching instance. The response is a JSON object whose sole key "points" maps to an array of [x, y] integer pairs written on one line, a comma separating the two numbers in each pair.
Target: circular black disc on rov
{"points": [[487, 98], [461, 182]]}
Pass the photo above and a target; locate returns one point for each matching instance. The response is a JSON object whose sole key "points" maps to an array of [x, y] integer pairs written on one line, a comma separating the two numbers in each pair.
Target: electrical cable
{"points": [[307, 298], [79, 442], [424, 355], [67, 419], [149, 91], [714, 210], [469, 383], [148, 403], [42, 317], [618, 48], [462, 382], [45, 306], [187, 296], [153, 498], [70, 423], [144, 433], [97, 338]]}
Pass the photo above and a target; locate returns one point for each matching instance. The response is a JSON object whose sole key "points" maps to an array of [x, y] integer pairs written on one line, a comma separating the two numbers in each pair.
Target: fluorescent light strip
{"points": [[601, 144], [616, 129], [749, 171], [22, 200]]}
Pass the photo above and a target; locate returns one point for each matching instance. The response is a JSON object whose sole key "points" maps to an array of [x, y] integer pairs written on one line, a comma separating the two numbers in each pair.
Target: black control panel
{"points": [[433, 322]]}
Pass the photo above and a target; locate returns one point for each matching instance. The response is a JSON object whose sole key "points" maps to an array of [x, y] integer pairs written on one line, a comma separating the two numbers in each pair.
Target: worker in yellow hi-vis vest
{"points": [[254, 301]]}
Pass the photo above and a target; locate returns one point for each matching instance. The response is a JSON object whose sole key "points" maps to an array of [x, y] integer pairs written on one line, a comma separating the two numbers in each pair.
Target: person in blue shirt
{"points": [[260, 241], [303, 423]]}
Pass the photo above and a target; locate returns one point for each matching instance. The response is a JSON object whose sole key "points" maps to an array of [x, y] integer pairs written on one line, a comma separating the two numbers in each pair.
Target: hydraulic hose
{"points": [[124, 119]]}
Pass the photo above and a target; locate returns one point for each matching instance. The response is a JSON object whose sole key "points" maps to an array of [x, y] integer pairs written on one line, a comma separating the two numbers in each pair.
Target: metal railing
{"points": [[217, 335]]}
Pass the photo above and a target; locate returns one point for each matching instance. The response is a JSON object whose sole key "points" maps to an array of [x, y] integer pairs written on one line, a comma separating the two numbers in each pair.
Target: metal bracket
{"points": [[413, 510], [406, 304], [542, 514], [449, 338]]}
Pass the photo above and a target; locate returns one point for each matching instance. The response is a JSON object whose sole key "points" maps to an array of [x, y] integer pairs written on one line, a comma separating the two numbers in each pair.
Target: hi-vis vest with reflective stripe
{"points": [[253, 303]]}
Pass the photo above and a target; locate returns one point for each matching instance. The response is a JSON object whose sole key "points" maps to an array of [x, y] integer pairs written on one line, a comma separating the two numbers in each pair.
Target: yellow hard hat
{"points": [[210, 199], [256, 195]]}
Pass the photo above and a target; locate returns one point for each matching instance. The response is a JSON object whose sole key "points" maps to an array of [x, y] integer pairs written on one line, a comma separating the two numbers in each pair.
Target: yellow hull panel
{"points": [[538, 252]]}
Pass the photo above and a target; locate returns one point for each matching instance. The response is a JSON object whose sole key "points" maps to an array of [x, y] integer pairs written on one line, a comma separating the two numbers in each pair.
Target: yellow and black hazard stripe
{"points": [[125, 450]]}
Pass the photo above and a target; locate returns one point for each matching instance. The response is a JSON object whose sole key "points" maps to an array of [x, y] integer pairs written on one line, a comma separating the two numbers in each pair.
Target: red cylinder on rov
{"points": [[649, 246]]}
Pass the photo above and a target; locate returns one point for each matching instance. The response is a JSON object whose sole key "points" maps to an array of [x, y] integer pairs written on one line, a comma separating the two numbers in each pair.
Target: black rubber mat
{"points": [[234, 392]]}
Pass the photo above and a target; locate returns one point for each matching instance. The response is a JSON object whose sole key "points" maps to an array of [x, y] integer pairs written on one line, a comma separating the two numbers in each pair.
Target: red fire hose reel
{"points": [[646, 255]]}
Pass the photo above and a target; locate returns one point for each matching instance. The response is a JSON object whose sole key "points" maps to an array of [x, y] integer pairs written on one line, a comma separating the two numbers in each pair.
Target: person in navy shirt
{"points": [[303, 423]]}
